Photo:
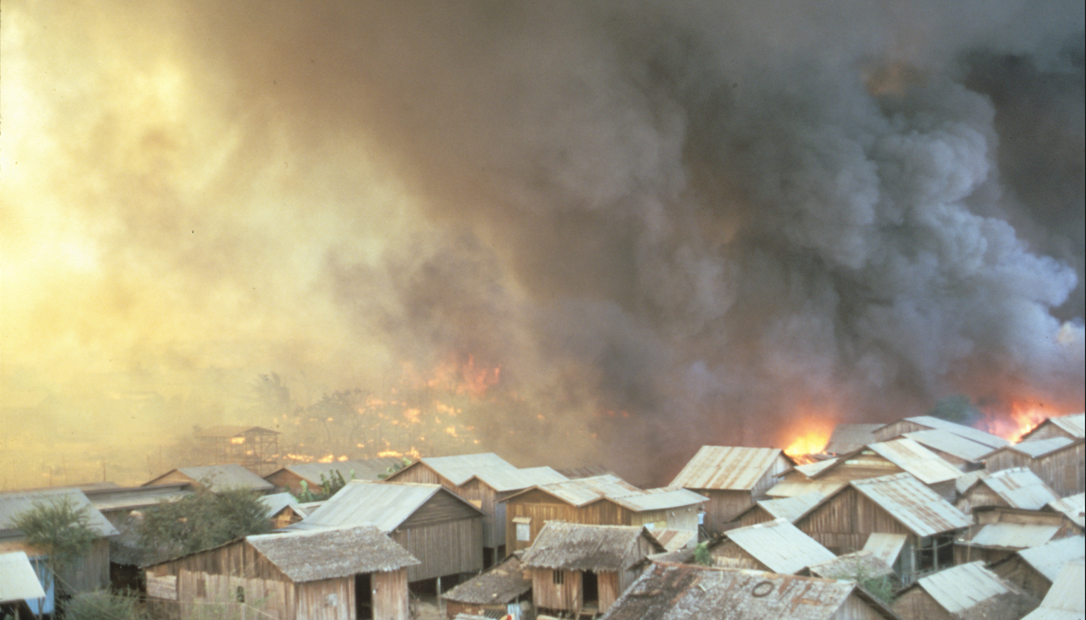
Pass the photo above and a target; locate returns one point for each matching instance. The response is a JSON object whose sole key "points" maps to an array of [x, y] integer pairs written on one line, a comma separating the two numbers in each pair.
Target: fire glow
{"points": [[810, 438], [1021, 419]]}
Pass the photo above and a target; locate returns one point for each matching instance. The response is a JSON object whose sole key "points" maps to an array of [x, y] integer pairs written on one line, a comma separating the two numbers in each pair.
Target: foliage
{"points": [[881, 587], [404, 462], [958, 409], [201, 521], [702, 555], [101, 605], [330, 485], [60, 528]]}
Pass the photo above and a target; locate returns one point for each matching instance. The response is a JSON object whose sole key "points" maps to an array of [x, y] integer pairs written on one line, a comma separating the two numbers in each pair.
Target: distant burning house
{"points": [[290, 478], [733, 478], [1069, 426], [252, 446], [897, 429]]}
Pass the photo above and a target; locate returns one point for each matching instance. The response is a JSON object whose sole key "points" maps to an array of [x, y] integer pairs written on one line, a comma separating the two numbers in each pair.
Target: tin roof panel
{"points": [[18, 582], [781, 546], [726, 468], [917, 460], [914, 505]]}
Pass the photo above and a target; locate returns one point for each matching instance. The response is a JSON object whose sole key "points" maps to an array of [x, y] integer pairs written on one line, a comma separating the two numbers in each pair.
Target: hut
{"points": [[333, 574], [599, 500], [924, 525], [255, 447], [1064, 600], [668, 591], [803, 479], [579, 569], [85, 574], [291, 477], [927, 423], [484, 480], [999, 531], [732, 478], [963, 453], [502, 589], [965, 592], [434, 524], [776, 546], [283, 509], [1035, 569], [214, 478], [1069, 426], [848, 438], [788, 508], [1059, 461], [1017, 487]]}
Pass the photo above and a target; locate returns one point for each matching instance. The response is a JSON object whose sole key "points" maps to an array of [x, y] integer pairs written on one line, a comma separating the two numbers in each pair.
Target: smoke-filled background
{"points": [[606, 232]]}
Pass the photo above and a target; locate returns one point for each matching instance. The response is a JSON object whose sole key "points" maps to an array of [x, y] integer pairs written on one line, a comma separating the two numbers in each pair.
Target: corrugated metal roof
{"points": [[791, 508], [792, 488], [725, 468], [1074, 507], [813, 469], [491, 469], [674, 540], [364, 469], [1065, 598], [1041, 447], [961, 588], [968, 479], [573, 546], [781, 546], [138, 497], [886, 547], [912, 504], [682, 592], [853, 565], [218, 478], [1013, 535], [851, 437], [277, 502], [14, 504], [951, 443], [1049, 559], [383, 504], [582, 491], [659, 499], [1020, 488], [17, 579], [312, 555], [979, 436], [501, 584], [917, 460], [1074, 424]]}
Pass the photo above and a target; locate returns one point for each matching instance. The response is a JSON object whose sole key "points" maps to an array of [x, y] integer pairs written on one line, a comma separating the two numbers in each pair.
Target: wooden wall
{"points": [[289, 481], [565, 596], [201, 595], [979, 495], [329, 599], [727, 554], [444, 548], [723, 506], [390, 597], [843, 523], [90, 572], [1018, 572], [541, 507], [856, 609], [754, 516], [897, 429], [485, 498], [916, 604], [1061, 470], [421, 473], [610, 586]]}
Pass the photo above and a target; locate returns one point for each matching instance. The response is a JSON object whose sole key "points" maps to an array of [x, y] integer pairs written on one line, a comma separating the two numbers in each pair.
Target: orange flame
{"points": [[810, 437], [1022, 419]]}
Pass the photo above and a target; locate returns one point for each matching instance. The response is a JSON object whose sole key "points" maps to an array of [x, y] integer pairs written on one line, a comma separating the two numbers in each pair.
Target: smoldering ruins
{"points": [[662, 222]]}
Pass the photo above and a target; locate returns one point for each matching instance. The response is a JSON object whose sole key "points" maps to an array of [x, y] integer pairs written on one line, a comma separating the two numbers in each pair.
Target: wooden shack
{"points": [[776, 546], [847, 438], [331, 574], [435, 525], [1059, 461], [1035, 569], [493, 592], [283, 509], [899, 505], [1069, 426], [484, 480], [897, 429], [733, 478], [965, 591], [998, 532], [599, 500], [1064, 600], [579, 569], [291, 477], [1017, 487], [963, 453], [788, 508], [668, 590], [215, 478], [1073, 508]]}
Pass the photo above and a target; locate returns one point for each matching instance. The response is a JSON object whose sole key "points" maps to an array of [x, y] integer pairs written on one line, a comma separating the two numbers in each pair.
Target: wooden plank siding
{"points": [[564, 596], [1061, 470], [897, 429], [541, 507], [90, 572], [856, 609], [727, 554], [916, 604], [723, 506], [390, 597], [1017, 571], [287, 481], [202, 595], [477, 492], [448, 548]]}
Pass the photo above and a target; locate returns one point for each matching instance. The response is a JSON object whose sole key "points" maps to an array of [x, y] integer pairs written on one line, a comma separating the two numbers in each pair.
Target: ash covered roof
{"points": [[682, 592], [724, 468], [501, 584], [1019, 487], [852, 565], [972, 592], [331, 553], [781, 546], [912, 504], [572, 546]]}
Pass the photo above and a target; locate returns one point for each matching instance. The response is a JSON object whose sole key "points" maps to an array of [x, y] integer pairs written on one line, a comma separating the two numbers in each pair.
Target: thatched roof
{"points": [[572, 546], [853, 566], [311, 555], [500, 585]]}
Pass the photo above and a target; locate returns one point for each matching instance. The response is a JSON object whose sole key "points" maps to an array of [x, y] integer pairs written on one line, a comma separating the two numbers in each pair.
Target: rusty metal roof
{"points": [[917, 460], [851, 437], [912, 504], [682, 592], [383, 504], [1064, 600], [972, 592], [18, 582], [573, 546], [1013, 535], [781, 546], [791, 508], [1074, 507], [979, 436], [724, 468], [312, 555], [886, 547], [1019, 487], [1049, 559], [951, 443]]}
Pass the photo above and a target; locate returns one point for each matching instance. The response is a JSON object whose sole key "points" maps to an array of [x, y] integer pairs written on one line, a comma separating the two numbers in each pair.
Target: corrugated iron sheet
{"points": [[968, 479], [217, 478], [14, 504], [674, 540], [914, 505], [813, 469], [573, 546], [1065, 598], [1041, 447], [886, 547], [582, 491], [1049, 559], [492, 469], [917, 460], [850, 437], [1020, 488], [726, 468], [791, 508], [384, 505], [1073, 424], [951, 443], [781, 546], [1013, 535], [1074, 507], [961, 588], [660, 499], [17, 579], [277, 502], [793, 488], [313, 555], [364, 469], [979, 436]]}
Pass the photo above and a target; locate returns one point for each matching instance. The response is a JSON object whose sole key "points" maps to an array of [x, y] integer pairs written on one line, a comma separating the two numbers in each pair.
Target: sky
{"points": [[643, 226]]}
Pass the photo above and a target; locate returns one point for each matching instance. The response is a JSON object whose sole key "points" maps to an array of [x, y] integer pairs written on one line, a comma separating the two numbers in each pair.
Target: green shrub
{"points": [[101, 605]]}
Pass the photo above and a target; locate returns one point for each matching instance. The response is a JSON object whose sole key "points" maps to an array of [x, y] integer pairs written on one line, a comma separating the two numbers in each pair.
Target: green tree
{"points": [[101, 605], [702, 555], [62, 529], [201, 521]]}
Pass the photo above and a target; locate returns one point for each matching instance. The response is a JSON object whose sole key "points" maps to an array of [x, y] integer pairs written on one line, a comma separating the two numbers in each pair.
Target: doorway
{"points": [[363, 597]]}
